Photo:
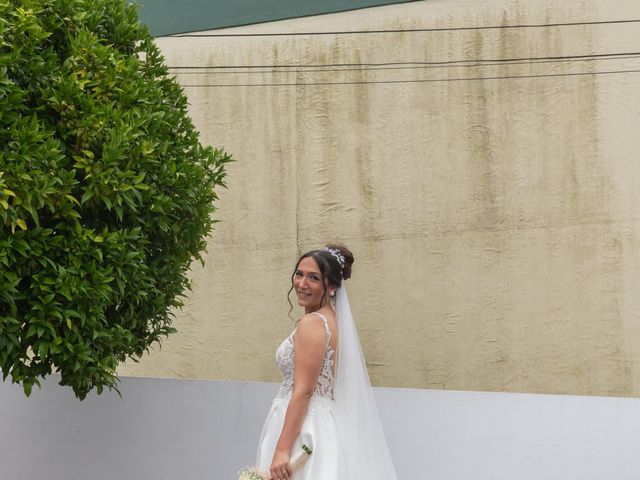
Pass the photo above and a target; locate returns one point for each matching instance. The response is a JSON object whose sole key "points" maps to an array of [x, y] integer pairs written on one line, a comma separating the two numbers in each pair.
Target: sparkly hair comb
{"points": [[337, 255]]}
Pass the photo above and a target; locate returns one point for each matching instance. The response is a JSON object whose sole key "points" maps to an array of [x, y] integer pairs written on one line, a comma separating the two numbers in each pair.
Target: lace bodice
{"points": [[285, 356]]}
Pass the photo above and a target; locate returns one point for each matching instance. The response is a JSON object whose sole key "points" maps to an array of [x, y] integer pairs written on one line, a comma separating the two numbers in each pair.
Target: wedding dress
{"points": [[319, 430], [342, 424]]}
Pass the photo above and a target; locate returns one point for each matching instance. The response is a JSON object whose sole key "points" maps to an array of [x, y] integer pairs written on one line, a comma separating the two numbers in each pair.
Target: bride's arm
{"points": [[310, 341]]}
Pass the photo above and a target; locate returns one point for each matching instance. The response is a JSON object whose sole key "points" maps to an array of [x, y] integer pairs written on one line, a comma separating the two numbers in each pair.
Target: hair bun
{"points": [[348, 258]]}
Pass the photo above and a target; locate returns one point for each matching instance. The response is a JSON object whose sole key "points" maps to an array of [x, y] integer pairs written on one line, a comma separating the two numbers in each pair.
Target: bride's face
{"points": [[308, 284]]}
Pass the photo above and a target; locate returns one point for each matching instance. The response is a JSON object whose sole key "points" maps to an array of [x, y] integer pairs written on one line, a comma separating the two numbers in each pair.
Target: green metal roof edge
{"points": [[167, 17]]}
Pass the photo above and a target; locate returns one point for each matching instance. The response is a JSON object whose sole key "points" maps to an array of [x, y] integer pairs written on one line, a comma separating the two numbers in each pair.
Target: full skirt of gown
{"points": [[319, 431]]}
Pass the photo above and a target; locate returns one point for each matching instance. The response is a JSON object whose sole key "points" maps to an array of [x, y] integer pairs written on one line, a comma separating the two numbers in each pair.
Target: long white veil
{"points": [[364, 448]]}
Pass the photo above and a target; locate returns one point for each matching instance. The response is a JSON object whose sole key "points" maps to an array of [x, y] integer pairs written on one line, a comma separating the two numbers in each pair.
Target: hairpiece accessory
{"points": [[337, 255]]}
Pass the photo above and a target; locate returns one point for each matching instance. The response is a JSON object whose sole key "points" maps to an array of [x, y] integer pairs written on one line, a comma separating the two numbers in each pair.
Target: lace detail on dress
{"points": [[285, 356]]}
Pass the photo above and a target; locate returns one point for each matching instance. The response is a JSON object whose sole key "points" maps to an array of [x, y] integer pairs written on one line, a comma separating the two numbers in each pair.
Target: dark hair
{"points": [[330, 268]]}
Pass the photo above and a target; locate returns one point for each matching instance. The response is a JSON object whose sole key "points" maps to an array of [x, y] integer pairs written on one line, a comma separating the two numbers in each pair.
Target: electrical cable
{"points": [[425, 80], [351, 67], [402, 30]]}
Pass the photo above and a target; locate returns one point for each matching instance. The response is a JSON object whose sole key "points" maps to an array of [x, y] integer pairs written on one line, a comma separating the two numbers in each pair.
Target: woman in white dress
{"points": [[325, 400]]}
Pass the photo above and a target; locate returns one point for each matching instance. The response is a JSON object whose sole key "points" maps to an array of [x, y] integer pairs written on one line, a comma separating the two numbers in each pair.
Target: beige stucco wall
{"points": [[494, 222]]}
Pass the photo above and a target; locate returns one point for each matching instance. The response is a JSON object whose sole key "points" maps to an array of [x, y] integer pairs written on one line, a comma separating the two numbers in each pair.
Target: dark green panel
{"points": [[165, 17]]}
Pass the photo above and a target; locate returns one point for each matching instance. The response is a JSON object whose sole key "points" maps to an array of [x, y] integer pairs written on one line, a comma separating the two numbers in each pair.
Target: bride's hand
{"points": [[281, 466]]}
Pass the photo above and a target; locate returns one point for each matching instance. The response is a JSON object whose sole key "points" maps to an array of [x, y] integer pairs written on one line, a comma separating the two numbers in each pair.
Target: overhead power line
{"points": [[403, 30], [425, 80], [347, 67]]}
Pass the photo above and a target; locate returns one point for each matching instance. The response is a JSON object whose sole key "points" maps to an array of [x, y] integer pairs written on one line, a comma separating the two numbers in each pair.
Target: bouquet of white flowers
{"points": [[254, 473]]}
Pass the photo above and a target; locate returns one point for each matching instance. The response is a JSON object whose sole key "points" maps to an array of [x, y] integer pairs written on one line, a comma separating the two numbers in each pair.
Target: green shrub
{"points": [[106, 194]]}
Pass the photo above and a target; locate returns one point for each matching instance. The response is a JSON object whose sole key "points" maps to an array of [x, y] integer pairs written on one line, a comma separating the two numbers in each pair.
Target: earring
{"points": [[332, 293]]}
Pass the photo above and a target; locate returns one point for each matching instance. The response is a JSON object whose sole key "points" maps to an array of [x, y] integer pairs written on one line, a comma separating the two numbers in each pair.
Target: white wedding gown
{"points": [[319, 429]]}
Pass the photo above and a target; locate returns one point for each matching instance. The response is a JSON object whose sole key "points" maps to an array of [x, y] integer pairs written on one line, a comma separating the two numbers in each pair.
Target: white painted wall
{"points": [[198, 429]]}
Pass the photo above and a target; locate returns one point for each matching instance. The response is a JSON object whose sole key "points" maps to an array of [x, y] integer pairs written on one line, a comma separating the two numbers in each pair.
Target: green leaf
{"points": [[73, 199], [87, 196], [43, 349]]}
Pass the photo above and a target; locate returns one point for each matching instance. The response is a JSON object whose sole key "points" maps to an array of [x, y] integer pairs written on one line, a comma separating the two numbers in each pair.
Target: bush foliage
{"points": [[106, 194]]}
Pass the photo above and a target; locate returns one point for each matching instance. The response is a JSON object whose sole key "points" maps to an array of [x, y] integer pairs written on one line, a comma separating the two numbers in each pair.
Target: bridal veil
{"points": [[363, 446]]}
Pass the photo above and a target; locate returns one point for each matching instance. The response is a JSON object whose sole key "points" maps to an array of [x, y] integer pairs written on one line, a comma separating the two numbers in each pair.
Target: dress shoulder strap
{"points": [[326, 325]]}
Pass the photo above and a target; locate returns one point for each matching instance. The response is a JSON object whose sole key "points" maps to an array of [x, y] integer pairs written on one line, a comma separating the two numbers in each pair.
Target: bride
{"points": [[325, 400]]}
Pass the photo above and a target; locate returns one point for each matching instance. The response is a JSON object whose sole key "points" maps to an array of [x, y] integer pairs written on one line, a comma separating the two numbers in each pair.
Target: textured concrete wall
{"points": [[494, 221]]}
